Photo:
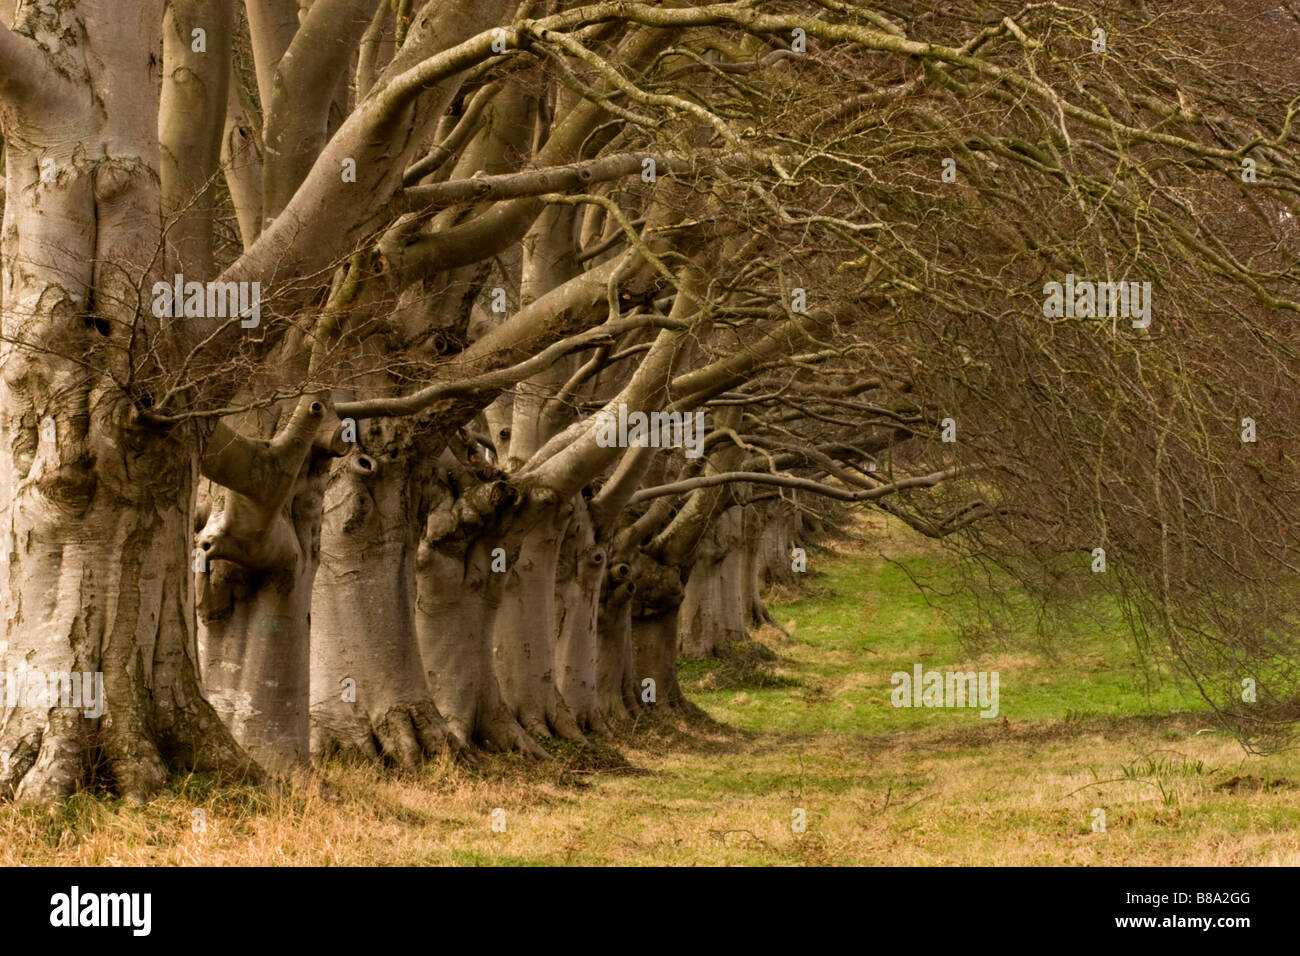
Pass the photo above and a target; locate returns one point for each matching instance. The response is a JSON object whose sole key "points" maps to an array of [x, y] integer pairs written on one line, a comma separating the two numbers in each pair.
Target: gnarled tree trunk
{"points": [[457, 595], [751, 568], [712, 615], [260, 555], [96, 523], [775, 542], [579, 576], [523, 636], [654, 630], [369, 696], [616, 679]]}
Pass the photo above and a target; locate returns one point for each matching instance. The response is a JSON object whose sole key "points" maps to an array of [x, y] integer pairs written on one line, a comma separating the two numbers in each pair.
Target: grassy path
{"points": [[806, 725]]}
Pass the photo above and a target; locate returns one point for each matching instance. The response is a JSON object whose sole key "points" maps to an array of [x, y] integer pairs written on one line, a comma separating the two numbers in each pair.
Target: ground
{"points": [[796, 721]]}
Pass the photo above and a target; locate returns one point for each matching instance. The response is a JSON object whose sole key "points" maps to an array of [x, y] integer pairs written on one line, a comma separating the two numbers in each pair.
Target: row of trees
{"points": [[383, 517]]}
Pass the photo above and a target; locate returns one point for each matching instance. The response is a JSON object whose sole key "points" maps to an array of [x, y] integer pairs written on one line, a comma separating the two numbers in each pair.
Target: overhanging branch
{"points": [[800, 484]]}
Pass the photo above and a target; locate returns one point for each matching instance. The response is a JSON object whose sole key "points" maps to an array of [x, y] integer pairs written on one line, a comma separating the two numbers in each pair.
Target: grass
{"points": [[795, 721]]}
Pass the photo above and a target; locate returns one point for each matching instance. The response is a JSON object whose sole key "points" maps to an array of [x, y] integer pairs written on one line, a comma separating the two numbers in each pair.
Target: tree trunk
{"points": [[655, 607], [755, 610], [96, 515], [712, 616], [775, 543], [98, 582], [654, 649], [580, 574], [732, 585], [616, 679], [255, 626], [369, 696], [523, 636], [260, 547], [456, 605]]}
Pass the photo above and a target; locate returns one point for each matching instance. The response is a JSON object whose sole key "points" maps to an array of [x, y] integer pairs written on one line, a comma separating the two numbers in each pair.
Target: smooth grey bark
{"points": [[243, 169], [752, 567], [193, 106], [254, 632], [580, 575], [369, 696], [711, 617], [254, 605], [305, 81], [457, 596], [95, 510], [654, 611], [523, 635], [654, 647], [775, 543], [617, 686]]}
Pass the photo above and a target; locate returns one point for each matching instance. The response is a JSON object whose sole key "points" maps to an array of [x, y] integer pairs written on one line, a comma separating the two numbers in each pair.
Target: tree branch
{"points": [[802, 484], [535, 182]]}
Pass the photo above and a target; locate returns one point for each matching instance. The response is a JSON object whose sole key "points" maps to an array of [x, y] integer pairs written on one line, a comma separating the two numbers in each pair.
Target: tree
{"points": [[352, 471]]}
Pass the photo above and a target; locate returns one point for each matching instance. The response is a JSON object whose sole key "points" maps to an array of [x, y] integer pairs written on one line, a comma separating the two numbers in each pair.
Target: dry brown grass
{"points": [[690, 792], [698, 793]]}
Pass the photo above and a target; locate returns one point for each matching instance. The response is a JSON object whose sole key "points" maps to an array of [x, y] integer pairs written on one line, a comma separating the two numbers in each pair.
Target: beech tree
{"points": [[317, 317]]}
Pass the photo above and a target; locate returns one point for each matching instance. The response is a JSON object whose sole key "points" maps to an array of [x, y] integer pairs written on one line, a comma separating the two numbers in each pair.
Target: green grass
{"points": [[863, 619], [798, 722]]}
